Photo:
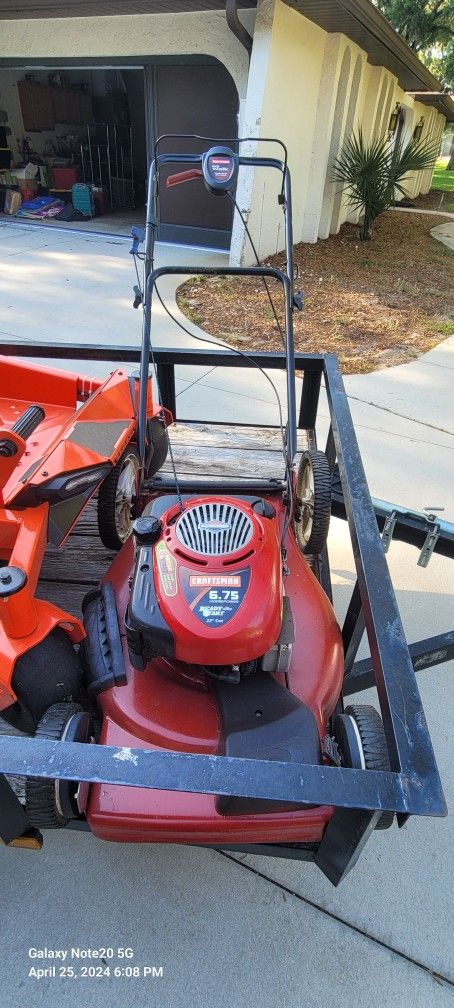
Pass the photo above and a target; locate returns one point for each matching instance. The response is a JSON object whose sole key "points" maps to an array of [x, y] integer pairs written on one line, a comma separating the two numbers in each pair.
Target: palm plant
{"points": [[372, 173]]}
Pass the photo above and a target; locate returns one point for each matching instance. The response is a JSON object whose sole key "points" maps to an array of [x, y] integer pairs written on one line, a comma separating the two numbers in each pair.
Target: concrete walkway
{"points": [[264, 932], [445, 233], [419, 210]]}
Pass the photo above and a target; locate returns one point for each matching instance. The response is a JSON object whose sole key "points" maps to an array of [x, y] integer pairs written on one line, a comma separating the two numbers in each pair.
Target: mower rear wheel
{"points": [[361, 738], [313, 504], [50, 804], [116, 499]]}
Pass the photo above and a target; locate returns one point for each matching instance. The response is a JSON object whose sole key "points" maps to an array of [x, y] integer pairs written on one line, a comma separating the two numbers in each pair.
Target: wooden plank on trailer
{"points": [[80, 559], [225, 436], [65, 596], [219, 462]]}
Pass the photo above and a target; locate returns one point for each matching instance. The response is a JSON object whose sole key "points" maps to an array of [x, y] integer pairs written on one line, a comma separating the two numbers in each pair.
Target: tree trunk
{"points": [[450, 164]]}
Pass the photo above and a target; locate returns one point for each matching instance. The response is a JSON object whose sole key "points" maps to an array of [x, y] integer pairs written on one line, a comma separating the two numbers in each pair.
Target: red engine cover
{"points": [[218, 580]]}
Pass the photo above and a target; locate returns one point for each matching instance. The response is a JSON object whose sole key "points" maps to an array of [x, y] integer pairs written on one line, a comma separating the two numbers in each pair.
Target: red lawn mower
{"points": [[212, 708]]}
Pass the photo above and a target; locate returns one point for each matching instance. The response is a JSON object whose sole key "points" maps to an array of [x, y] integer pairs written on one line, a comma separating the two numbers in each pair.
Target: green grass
{"points": [[443, 179], [447, 328]]}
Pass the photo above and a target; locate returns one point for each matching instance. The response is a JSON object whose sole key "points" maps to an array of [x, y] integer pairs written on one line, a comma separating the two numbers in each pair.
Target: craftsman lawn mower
{"points": [[212, 708]]}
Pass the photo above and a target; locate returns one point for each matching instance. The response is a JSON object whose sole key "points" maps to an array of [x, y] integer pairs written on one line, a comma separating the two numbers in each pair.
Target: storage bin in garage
{"points": [[65, 178], [82, 199]]}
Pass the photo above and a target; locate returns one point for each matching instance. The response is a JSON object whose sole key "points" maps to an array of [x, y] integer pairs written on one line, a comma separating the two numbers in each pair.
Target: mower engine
{"points": [[207, 587]]}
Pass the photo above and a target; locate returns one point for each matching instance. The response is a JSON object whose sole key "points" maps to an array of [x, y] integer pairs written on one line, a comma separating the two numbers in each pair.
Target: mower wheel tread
{"points": [[322, 478], [40, 795], [375, 750], [107, 504]]}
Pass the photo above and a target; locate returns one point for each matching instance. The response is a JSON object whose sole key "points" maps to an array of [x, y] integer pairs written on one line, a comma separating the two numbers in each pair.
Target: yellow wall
{"points": [[9, 100], [288, 96], [316, 89]]}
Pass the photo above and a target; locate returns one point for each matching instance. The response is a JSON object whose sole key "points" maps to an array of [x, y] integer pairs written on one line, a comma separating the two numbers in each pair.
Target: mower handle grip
{"points": [[183, 176]]}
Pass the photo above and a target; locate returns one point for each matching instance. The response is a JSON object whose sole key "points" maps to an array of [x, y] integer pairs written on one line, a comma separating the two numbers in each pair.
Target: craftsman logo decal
{"points": [[214, 598], [167, 570], [215, 581], [221, 167]]}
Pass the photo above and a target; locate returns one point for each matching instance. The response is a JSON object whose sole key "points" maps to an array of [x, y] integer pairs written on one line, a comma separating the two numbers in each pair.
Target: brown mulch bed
{"points": [[374, 304], [436, 199]]}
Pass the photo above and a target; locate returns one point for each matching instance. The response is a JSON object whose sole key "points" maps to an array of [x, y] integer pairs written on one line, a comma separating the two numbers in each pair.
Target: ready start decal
{"points": [[167, 570], [214, 598]]}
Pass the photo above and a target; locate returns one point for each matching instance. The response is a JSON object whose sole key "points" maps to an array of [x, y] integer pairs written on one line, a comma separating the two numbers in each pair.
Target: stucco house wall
{"points": [[281, 102], [204, 33], [313, 89]]}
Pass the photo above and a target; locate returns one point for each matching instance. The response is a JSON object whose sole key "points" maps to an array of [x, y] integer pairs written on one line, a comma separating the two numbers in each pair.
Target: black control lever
{"points": [[137, 297]]}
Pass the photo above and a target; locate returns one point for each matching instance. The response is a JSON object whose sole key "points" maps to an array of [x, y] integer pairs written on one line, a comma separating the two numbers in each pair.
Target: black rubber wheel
{"points": [[116, 499], [159, 445], [48, 802], [361, 738], [313, 503], [49, 673]]}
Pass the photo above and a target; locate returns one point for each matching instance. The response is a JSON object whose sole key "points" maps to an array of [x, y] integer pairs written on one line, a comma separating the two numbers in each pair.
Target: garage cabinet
{"points": [[43, 106], [36, 105]]}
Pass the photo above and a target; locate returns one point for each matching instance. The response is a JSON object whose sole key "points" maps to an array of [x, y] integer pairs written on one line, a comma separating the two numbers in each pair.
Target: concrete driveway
{"points": [[229, 927]]}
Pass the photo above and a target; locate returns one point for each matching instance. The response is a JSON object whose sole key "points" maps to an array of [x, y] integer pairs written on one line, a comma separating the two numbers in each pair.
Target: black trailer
{"points": [[412, 787]]}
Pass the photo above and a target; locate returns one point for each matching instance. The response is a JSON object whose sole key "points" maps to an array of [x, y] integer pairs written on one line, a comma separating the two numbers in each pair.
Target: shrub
{"points": [[372, 173]]}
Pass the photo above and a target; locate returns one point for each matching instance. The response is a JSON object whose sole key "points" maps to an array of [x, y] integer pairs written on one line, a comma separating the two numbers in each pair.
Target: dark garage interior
{"points": [[75, 142]]}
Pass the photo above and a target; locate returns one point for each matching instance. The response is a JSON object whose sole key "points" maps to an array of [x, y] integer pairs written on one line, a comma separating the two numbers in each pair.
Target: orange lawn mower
{"points": [[62, 438]]}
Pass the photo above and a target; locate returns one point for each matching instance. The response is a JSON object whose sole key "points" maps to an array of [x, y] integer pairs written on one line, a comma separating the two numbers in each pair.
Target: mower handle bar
{"points": [[184, 176], [195, 161], [262, 271]]}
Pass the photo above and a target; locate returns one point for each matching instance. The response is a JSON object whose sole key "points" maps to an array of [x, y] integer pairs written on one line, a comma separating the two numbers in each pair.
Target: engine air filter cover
{"points": [[214, 528], [210, 591]]}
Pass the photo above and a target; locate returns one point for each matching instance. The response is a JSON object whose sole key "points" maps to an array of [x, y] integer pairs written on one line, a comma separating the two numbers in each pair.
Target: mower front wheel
{"points": [[116, 500], [313, 502], [50, 804], [361, 739]]}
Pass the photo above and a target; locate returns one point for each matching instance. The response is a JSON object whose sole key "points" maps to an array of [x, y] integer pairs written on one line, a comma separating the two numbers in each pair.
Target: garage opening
{"points": [[75, 143]]}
